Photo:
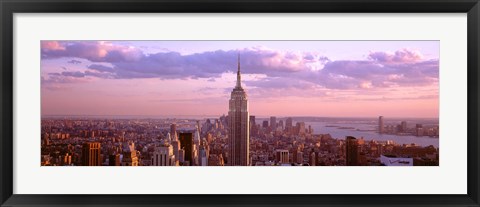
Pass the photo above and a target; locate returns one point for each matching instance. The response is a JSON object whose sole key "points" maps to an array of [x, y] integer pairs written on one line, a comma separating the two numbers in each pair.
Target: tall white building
{"points": [[238, 125], [163, 155], [174, 141], [196, 144], [181, 155], [202, 156]]}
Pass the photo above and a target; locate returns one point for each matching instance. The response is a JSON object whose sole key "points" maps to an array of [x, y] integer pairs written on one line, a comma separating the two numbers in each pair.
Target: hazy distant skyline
{"points": [[282, 78]]}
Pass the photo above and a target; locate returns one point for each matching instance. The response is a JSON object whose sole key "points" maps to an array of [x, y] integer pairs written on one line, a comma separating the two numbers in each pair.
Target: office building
{"points": [[404, 126], [238, 125], [273, 122], [186, 143], [281, 156], [380, 125], [114, 160], [163, 155], [352, 152], [265, 124], [202, 156], [130, 157], [91, 154], [288, 125], [253, 126]]}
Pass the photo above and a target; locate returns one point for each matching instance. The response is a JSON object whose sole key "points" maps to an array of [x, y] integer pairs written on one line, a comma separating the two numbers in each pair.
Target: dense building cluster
{"points": [[189, 142], [403, 129]]}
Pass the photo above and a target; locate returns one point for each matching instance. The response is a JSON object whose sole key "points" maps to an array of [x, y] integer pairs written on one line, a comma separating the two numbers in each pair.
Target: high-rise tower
{"points": [[352, 154], [91, 154], [380, 125], [238, 125]]}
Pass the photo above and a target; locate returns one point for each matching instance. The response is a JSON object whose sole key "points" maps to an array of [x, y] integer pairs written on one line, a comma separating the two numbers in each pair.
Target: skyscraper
{"points": [[273, 122], [281, 156], [186, 143], [352, 153], [202, 156], [173, 131], [238, 125], [176, 149], [196, 145], [265, 124], [301, 128], [114, 160], [404, 126], [175, 143], [312, 159], [91, 154], [288, 125], [130, 157], [253, 126], [163, 155], [380, 124]]}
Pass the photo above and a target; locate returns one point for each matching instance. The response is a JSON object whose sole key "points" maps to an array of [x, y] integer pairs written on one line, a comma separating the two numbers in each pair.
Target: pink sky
{"points": [[282, 78]]}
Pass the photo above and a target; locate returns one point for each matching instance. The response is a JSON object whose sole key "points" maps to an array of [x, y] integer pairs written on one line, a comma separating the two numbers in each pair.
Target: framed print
{"points": [[263, 103]]}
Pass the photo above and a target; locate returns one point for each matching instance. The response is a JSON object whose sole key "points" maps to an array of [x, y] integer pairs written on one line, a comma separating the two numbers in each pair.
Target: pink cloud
{"points": [[59, 81], [402, 68], [399, 56], [51, 45], [95, 51]]}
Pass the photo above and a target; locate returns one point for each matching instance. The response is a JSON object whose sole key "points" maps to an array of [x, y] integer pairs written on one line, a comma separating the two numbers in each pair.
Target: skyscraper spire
{"points": [[239, 79], [238, 125]]}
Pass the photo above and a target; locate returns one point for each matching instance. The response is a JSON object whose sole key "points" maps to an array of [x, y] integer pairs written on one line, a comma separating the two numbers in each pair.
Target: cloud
{"points": [[403, 98], [58, 81], [399, 56], [76, 74], [283, 69], [383, 73], [280, 83], [91, 50], [129, 62], [74, 62], [51, 45], [101, 68]]}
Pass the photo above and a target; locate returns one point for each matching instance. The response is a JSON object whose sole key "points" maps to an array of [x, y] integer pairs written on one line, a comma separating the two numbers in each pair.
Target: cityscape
{"points": [[268, 111]]}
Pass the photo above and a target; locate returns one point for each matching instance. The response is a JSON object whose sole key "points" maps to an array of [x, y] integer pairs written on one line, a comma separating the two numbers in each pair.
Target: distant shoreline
{"points": [[318, 118]]}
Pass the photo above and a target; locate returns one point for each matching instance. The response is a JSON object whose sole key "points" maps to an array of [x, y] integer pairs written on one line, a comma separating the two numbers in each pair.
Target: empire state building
{"points": [[238, 125]]}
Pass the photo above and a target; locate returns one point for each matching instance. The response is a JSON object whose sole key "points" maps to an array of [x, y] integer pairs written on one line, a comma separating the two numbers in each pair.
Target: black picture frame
{"points": [[10, 7]]}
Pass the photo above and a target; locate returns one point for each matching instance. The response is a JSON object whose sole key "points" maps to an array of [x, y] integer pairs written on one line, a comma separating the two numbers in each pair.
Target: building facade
{"points": [[163, 156], [282, 156], [130, 157], [91, 154], [187, 145], [352, 153], [238, 125], [380, 125]]}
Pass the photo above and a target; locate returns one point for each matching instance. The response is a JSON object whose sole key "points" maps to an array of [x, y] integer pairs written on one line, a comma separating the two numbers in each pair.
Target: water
{"points": [[321, 128]]}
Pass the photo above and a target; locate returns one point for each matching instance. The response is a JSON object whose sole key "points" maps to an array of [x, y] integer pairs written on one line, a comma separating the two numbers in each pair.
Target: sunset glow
{"points": [[282, 78]]}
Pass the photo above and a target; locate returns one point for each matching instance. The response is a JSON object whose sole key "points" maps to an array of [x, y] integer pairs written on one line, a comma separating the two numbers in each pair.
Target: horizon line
{"points": [[256, 116]]}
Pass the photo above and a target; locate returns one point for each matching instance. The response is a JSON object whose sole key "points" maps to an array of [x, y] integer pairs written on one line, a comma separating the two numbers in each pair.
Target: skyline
{"points": [[150, 78]]}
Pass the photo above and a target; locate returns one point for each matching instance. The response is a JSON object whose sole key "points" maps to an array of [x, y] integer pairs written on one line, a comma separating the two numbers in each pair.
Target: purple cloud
{"points": [[101, 68], [282, 69], [74, 62], [91, 50], [400, 56]]}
